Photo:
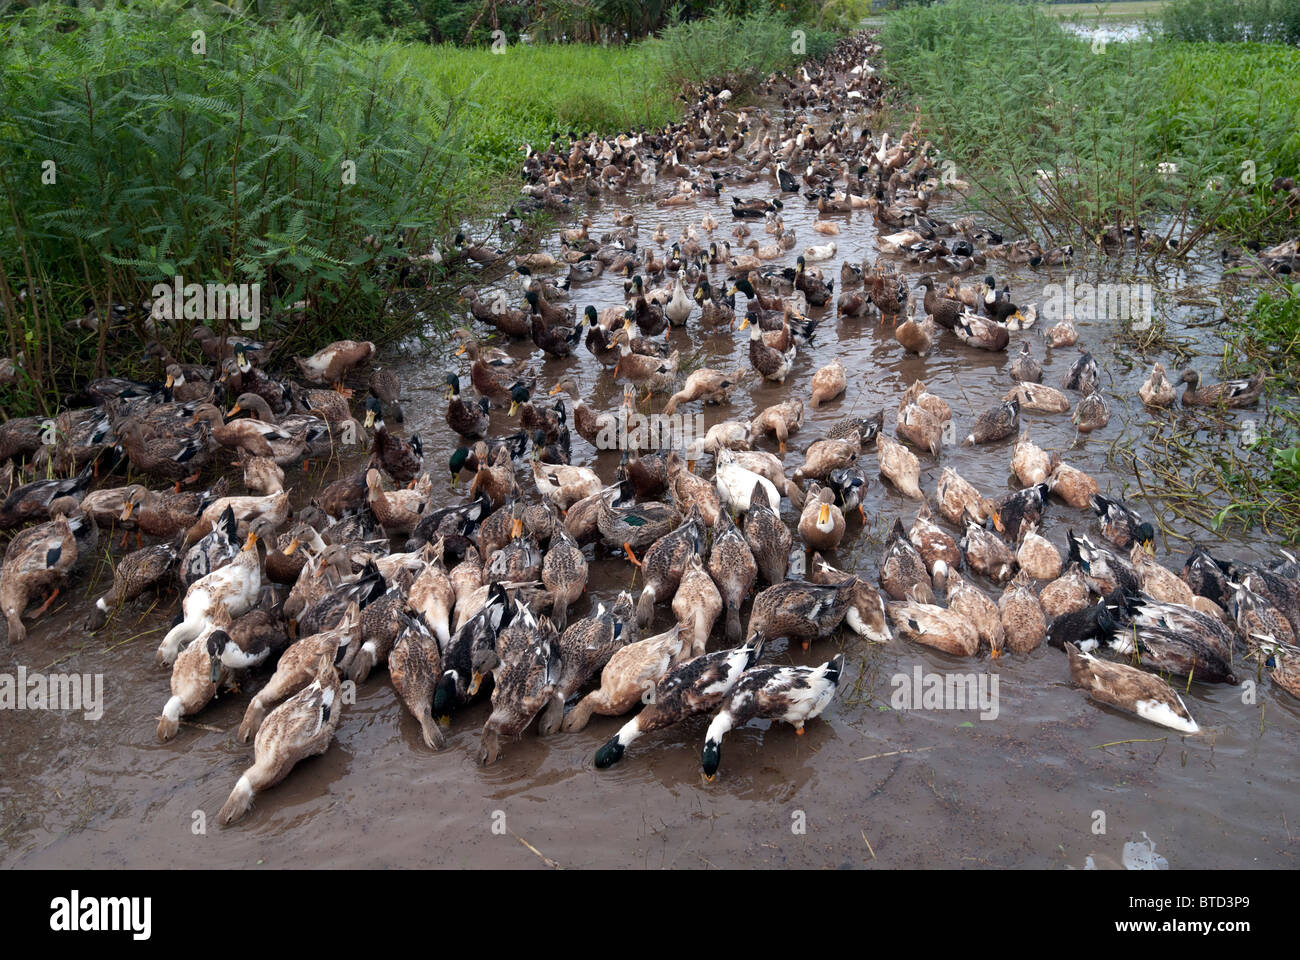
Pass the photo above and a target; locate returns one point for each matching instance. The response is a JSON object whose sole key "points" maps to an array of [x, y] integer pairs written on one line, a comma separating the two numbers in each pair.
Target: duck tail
{"points": [[645, 606]]}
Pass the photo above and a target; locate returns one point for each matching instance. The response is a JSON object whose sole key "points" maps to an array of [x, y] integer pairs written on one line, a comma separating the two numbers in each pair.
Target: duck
{"points": [[180, 458], [1029, 462], [398, 511], [903, 571], [941, 309], [1020, 507], [687, 489], [828, 383], [630, 672], [591, 425], [1022, 615], [900, 466], [164, 513], [385, 384], [403, 460], [1156, 390], [823, 456], [936, 546], [942, 628], [822, 523], [1229, 393], [678, 309], [695, 686], [920, 427], [736, 485], [1103, 570], [331, 364], [1068, 593], [469, 650], [771, 364], [467, 419], [1082, 375], [977, 607], [848, 485], [1092, 413], [1072, 485], [917, 335], [1062, 334], [313, 433], [133, 574], [38, 559], [996, 424], [799, 610], [1035, 554], [981, 332], [958, 499], [987, 554], [301, 727], [768, 537], [1038, 397], [793, 694], [1121, 524], [230, 591], [525, 667], [779, 420], [1158, 582], [1172, 639], [707, 384], [697, 604], [1130, 689], [584, 648], [415, 667], [214, 550], [1024, 368], [274, 510], [732, 566], [665, 562], [564, 574], [564, 485]]}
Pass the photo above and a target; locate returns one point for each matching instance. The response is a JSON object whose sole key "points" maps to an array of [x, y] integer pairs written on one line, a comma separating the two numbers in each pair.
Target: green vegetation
{"points": [[1226, 21], [1060, 136], [1120, 10], [132, 151]]}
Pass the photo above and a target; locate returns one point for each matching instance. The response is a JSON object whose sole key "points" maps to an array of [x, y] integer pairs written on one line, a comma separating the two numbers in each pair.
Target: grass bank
{"points": [[138, 144], [1060, 136]]}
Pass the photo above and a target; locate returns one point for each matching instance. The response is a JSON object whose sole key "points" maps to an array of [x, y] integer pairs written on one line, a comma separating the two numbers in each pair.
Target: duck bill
{"points": [[127, 509], [370, 419], [293, 545], [251, 542], [514, 407], [824, 515], [461, 349], [475, 682], [554, 390], [516, 529], [232, 411]]}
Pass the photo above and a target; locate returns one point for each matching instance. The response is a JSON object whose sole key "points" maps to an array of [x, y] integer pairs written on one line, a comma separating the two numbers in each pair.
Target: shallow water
{"points": [[869, 785]]}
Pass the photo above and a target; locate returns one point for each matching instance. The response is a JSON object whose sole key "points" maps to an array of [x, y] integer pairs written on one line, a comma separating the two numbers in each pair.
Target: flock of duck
{"points": [[456, 598]]}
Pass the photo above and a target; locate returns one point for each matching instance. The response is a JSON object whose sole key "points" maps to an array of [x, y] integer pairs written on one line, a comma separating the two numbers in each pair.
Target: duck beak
{"points": [[710, 777], [252, 541], [554, 390], [216, 670], [170, 380], [233, 410], [514, 406], [127, 508], [823, 515], [744, 324], [293, 545], [455, 479], [370, 419], [474, 684], [516, 529], [460, 349]]}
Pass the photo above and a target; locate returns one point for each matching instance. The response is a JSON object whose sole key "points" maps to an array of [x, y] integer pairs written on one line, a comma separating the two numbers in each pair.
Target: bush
{"points": [[1224, 21]]}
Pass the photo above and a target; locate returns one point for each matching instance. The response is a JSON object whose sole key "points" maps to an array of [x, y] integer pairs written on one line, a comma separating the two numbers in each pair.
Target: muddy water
{"points": [[867, 786]]}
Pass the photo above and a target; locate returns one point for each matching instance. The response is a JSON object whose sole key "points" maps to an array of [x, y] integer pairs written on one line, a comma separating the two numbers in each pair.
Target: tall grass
{"points": [[1060, 136], [128, 157], [1229, 21]]}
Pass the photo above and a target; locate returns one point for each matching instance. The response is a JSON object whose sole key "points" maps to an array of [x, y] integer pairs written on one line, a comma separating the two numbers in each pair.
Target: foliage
{"points": [[1229, 21], [1061, 136]]}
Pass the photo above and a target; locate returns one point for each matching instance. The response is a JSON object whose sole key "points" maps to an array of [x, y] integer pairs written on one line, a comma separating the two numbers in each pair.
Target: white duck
{"points": [[736, 485]]}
